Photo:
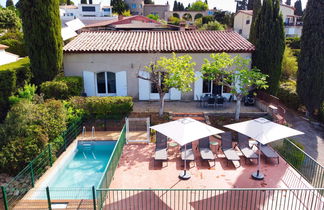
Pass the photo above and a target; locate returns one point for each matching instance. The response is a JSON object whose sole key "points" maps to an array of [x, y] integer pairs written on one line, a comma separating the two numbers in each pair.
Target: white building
{"points": [[85, 10], [293, 24], [6, 57], [110, 61]]}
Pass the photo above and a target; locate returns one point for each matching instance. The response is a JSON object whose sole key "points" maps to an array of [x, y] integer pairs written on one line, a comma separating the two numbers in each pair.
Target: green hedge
{"points": [[293, 42], [292, 154], [62, 87], [12, 76], [104, 107], [288, 95]]}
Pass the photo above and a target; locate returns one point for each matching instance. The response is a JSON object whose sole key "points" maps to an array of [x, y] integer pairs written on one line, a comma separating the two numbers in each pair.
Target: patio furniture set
{"points": [[211, 100]]}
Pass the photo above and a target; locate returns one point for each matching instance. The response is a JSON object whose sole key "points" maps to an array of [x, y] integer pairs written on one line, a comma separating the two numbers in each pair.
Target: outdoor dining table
{"points": [[205, 98]]}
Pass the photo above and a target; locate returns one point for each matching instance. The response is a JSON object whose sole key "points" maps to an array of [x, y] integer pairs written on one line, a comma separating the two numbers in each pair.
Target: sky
{"points": [[229, 5]]}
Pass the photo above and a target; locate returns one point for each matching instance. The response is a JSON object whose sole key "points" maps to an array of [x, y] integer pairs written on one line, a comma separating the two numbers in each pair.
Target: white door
{"points": [[89, 83], [198, 89], [144, 86], [121, 83], [175, 94]]}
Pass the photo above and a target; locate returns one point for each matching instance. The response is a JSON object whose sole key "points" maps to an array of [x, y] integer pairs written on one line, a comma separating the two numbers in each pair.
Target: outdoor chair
{"points": [[161, 148], [243, 145], [269, 152], [205, 151], [220, 101], [211, 102], [199, 100], [227, 148], [187, 154]]}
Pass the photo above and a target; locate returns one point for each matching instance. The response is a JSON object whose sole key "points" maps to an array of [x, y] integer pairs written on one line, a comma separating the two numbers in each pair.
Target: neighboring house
{"points": [[136, 7], [6, 57], [137, 22], [190, 16], [293, 23], [154, 9], [86, 12], [109, 62]]}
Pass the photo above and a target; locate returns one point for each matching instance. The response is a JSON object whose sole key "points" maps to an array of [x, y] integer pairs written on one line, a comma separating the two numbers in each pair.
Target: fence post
{"points": [[48, 198], [32, 174], [94, 198], [5, 201], [50, 154]]}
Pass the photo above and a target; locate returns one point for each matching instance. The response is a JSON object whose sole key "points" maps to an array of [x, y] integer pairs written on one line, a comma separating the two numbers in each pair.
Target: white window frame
{"points": [[106, 85]]}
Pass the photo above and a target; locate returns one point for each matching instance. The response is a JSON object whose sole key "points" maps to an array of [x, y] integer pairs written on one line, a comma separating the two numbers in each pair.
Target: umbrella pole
{"points": [[185, 162], [184, 175], [257, 175]]}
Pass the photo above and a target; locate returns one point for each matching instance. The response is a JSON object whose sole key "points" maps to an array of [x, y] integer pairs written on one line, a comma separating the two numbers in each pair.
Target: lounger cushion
{"points": [[249, 153], [206, 154], [161, 154], [189, 155], [268, 152], [231, 154]]}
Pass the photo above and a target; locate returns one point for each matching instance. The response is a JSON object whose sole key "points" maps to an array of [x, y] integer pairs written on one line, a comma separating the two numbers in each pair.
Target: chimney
{"points": [[182, 25]]}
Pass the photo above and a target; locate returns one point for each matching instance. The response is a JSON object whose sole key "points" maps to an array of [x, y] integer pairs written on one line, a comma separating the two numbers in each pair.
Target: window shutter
{"points": [[175, 94], [89, 83], [198, 86], [121, 83], [144, 86]]}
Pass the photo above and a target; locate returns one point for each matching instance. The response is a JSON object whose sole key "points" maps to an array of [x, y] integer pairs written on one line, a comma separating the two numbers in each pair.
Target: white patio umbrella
{"points": [[184, 131], [264, 131]]}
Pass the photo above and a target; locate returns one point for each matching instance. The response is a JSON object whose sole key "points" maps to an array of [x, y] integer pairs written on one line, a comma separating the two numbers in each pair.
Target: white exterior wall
{"points": [[132, 63], [77, 12], [240, 25], [6, 57]]}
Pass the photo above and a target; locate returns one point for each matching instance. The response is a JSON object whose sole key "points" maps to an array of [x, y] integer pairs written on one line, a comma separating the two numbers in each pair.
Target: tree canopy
{"points": [[256, 10], [148, 2], [9, 19], [198, 6], [241, 5], [269, 43], [250, 4], [42, 34], [310, 77], [298, 8], [288, 2], [119, 6], [9, 3], [84, 2]]}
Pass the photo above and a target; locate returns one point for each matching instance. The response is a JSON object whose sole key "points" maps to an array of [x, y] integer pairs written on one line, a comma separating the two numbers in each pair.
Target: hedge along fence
{"points": [[111, 107], [288, 95], [62, 87], [12, 77]]}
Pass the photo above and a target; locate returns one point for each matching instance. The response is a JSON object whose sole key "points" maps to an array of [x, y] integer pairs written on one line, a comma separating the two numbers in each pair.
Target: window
{"points": [[240, 31], [106, 9], [133, 6], [106, 83], [211, 87], [210, 12], [247, 21], [88, 9]]}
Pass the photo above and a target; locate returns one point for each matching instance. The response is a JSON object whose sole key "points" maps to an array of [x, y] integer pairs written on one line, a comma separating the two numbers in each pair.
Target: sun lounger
{"points": [[243, 145], [161, 149], [268, 152], [205, 151], [227, 148], [187, 154]]}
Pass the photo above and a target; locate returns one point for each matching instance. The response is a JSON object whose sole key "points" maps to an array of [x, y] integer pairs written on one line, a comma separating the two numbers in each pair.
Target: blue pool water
{"points": [[81, 171]]}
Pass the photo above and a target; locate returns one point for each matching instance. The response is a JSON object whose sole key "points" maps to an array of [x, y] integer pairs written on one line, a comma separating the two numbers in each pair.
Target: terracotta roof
{"points": [[2, 46], [285, 5], [68, 7], [248, 12], [158, 41]]}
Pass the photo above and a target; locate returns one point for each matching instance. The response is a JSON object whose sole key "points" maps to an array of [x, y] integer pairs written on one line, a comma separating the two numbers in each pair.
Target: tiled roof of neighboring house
{"points": [[2, 46], [284, 5], [122, 21], [68, 7], [159, 41], [248, 12]]}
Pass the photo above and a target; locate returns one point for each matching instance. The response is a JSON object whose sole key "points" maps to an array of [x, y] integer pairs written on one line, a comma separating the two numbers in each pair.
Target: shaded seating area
{"points": [[187, 153], [269, 152], [243, 145], [211, 100], [227, 148], [161, 148], [205, 151]]}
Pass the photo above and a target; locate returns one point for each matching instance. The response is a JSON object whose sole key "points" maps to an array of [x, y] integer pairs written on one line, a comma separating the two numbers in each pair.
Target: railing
{"points": [[27, 177], [225, 199], [111, 166]]}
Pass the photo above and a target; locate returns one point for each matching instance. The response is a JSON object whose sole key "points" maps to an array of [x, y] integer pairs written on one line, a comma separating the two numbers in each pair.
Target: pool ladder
{"points": [[88, 145]]}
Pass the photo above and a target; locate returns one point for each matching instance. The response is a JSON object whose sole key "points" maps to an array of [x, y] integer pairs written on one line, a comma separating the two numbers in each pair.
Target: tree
{"points": [[9, 19], [148, 2], [119, 6], [224, 17], [42, 34], [175, 6], [289, 65], [256, 10], [288, 2], [234, 73], [166, 73], [198, 6], [153, 17], [250, 4], [241, 5], [213, 26], [9, 3], [269, 43], [298, 8], [84, 2], [310, 77]]}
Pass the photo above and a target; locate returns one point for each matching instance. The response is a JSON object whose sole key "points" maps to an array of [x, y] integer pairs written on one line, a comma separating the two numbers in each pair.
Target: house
{"points": [[6, 57], [136, 22], [293, 23], [136, 7], [110, 61], [154, 9]]}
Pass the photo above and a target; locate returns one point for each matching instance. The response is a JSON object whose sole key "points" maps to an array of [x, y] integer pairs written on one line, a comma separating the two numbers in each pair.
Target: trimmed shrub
{"points": [[288, 95], [7, 88], [55, 89], [22, 70], [293, 42], [104, 107], [75, 85]]}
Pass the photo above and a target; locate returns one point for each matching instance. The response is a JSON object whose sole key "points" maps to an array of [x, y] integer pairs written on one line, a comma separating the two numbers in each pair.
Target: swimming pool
{"points": [[83, 168]]}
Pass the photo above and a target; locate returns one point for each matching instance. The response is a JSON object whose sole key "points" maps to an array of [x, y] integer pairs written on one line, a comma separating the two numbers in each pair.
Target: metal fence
{"points": [[111, 166], [26, 178], [304, 164], [225, 199]]}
